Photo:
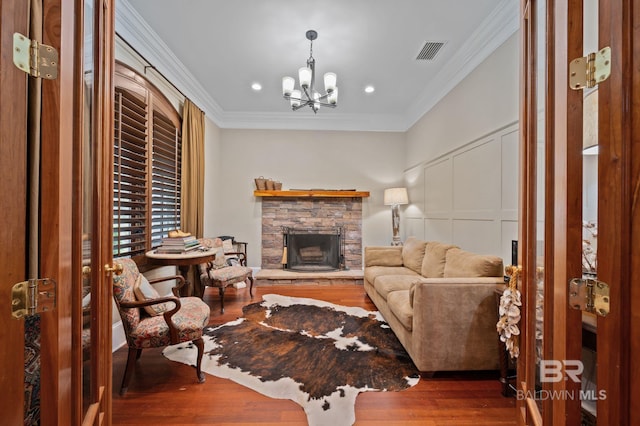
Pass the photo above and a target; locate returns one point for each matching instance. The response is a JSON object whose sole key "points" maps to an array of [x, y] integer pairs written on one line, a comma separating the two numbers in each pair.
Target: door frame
{"points": [[618, 217], [13, 193]]}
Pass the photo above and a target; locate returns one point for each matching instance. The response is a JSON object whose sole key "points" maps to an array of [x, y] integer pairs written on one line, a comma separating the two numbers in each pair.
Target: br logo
{"points": [[553, 370]]}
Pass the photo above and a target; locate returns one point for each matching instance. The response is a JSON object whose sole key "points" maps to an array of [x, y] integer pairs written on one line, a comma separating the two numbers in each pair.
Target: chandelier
{"points": [[307, 95]]}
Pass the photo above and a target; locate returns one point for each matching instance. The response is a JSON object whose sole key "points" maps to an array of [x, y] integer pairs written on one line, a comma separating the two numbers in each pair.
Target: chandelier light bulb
{"points": [[316, 98], [304, 74], [333, 96], [330, 82], [295, 98], [287, 85]]}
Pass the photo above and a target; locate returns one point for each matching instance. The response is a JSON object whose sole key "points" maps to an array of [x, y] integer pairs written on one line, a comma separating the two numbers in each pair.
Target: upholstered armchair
{"points": [[220, 272], [152, 321]]}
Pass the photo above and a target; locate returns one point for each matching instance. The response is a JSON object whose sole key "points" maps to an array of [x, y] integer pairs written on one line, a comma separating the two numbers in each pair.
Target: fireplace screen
{"points": [[313, 249]]}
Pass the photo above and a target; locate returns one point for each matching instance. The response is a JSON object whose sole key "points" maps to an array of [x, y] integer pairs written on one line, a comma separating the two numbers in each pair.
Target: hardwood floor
{"points": [[165, 392]]}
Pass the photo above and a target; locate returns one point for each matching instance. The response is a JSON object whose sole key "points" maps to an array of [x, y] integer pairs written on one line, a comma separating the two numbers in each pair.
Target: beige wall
{"points": [[367, 161], [485, 101], [461, 157]]}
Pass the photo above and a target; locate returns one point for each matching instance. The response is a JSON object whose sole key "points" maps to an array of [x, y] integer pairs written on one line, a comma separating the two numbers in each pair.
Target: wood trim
{"points": [[312, 194], [56, 214], [618, 127], [13, 198]]}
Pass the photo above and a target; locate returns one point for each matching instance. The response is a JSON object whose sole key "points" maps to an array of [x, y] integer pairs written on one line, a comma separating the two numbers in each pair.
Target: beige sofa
{"points": [[440, 302]]}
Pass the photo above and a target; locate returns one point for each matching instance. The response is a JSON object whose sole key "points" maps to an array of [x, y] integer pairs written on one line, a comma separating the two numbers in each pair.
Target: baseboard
{"points": [[118, 338]]}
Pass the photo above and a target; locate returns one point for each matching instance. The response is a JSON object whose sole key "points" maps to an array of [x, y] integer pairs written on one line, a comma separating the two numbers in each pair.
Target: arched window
{"points": [[147, 165]]}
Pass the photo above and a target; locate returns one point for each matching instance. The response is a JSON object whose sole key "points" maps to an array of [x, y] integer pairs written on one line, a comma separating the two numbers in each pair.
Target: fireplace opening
{"points": [[320, 249]]}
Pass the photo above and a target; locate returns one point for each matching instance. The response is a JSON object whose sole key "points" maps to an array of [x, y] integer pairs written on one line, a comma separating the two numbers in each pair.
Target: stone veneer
{"points": [[278, 212]]}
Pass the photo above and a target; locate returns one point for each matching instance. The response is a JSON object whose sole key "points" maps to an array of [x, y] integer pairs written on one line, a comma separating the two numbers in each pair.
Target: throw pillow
{"points": [[145, 291], [219, 261], [434, 259], [227, 245], [413, 253], [462, 263]]}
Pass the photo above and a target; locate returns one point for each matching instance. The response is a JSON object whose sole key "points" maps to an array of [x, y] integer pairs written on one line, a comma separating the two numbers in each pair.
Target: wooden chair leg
{"points": [[200, 345], [221, 291], [250, 285], [128, 370]]}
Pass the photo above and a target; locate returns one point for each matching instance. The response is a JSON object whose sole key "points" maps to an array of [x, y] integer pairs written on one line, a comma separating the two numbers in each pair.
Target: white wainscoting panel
{"points": [[438, 230], [476, 178], [415, 189], [413, 227], [478, 236], [470, 195], [438, 187], [510, 173]]}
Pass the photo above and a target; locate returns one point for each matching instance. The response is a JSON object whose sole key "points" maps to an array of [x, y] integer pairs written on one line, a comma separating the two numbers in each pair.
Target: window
{"points": [[147, 165]]}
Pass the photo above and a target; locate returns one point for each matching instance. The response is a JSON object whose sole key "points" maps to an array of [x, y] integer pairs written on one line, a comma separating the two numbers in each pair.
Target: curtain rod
{"points": [[150, 65]]}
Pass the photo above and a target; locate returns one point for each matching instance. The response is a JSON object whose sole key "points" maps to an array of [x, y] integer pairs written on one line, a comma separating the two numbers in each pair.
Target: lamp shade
{"points": [[333, 97], [304, 74], [295, 98], [330, 82], [287, 85], [395, 196]]}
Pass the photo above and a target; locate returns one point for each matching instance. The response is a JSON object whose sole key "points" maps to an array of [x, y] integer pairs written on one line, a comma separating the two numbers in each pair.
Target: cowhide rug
{"points": [[317, 354]]}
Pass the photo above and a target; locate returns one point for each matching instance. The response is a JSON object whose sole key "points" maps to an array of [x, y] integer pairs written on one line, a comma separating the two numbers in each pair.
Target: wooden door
{"points": [[93, 210], [13, 196], [550, 381], [56, 240]]}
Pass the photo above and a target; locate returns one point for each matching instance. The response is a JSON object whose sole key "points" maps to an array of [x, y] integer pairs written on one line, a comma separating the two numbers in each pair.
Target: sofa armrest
{"points": [[454, 322], [383, 256]]}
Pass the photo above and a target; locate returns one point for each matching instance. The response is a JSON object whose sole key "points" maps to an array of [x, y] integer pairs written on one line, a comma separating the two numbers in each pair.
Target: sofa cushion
{"points": [[383, 256], [461, 263], [373, 272], [398, 302], [388, 283], [435, 259], [413, 253]]}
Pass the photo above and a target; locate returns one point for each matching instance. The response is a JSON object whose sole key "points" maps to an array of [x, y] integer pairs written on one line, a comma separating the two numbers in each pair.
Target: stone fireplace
{"points": [[311, 213]]}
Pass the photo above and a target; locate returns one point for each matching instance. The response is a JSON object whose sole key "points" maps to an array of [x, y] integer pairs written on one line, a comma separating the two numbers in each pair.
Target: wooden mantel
{"points": [[312, 193]]}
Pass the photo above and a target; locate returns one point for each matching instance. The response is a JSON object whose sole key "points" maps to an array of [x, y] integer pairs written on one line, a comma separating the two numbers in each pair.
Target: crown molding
{"points": [[328, 121], [137, 32], [495, 30], [501, 24]]}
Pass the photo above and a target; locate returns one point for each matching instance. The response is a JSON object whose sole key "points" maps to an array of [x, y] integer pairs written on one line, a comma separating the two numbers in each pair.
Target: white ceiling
{"points": [[213, 50]]}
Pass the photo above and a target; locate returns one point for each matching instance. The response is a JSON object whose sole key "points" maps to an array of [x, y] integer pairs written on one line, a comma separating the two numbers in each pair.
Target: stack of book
{"points": [[178, 245]]}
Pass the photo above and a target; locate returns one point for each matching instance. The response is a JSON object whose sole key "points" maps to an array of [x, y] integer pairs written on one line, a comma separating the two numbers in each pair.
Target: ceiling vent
{"points": [[430, 50]]}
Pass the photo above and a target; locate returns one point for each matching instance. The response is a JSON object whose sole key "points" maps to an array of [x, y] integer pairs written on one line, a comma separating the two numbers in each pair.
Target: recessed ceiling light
{"points": [[369, 89], [256, 86]]}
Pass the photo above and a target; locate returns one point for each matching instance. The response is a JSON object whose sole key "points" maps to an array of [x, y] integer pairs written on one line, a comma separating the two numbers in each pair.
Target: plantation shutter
{"points": [[147, 165], [166, 166], [129, 174]]}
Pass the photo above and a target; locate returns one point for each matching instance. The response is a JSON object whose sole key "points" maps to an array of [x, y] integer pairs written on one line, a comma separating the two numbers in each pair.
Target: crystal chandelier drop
{"points": [[307, 95]]}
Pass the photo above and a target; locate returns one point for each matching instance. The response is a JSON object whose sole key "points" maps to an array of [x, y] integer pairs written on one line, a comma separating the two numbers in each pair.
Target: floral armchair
{"points": [[152, 321]]}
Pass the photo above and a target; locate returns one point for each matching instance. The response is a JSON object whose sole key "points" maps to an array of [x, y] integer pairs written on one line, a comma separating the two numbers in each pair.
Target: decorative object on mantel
{"points": [[509, 312], [263, 184], [313, 193], [307, 75], [394, 197]]}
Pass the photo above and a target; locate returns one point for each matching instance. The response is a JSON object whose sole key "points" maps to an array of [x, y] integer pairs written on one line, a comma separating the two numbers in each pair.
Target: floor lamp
{"points": [[394, 197]]}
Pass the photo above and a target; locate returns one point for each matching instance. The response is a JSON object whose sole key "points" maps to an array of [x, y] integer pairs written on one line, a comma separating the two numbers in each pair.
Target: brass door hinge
{"points": [[588, 71], [33, 297], [588, 294], [34, 58]]}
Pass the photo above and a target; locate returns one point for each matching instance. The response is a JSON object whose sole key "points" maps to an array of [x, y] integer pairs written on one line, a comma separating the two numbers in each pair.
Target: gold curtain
{"points": [[192, 191]]}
